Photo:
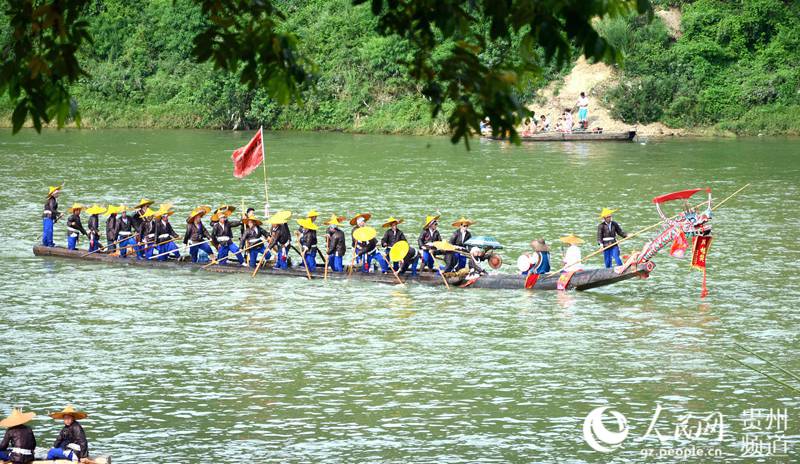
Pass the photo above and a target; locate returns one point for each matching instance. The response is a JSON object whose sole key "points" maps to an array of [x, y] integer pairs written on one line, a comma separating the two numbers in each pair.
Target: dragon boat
{"points": [[580, 280], [577, 136]]}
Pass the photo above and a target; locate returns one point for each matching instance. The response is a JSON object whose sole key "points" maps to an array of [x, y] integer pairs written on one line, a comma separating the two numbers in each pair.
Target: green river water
{"points": [[184, 366]]}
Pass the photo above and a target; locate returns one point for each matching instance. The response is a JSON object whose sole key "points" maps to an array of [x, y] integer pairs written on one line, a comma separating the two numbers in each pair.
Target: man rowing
{"points": [[18, 442], [111, 228], [165, 235], [308, 242], [94, 226], [222, 234], [74, 226], [138, 219], [336, 243], [71, 443], [607, 232], [392, 235], [124, 232], [148, 233], [429, 235], [572, 256], [196, 236], [454, 260], [50, 216], [281, 238], [364, 251], [254, 237]]}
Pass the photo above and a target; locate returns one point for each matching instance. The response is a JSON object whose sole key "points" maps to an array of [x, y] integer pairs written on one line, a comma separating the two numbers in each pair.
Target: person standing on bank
{"points": [[607, 232], [71, 443], [50, 216], [18, 442], [583, 111], [74, 226]]}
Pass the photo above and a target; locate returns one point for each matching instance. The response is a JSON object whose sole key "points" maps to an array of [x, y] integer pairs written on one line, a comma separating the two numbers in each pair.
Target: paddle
{"points": [[184, 248], [302, 256], [444, 246], [362, 234], [267, 248], [635, 234], [214, 261], [396, 254], [106, 247]]}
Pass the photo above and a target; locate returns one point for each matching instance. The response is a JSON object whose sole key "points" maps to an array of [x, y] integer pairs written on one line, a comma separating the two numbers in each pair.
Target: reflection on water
{"points": [[207, 366]]}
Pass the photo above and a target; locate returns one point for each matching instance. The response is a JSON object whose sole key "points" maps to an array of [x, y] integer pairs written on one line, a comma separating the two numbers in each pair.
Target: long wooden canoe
{"points": [[587, 136], [581, 280], [94, 460]]}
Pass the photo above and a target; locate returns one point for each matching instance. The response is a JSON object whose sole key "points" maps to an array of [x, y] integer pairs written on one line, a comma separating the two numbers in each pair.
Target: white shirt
{"points": [[572, 259], [583, 102]]}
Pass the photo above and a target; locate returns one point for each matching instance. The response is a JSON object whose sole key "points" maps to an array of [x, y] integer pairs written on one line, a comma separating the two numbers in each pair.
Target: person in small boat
{"points": [[123, 228], [430, 234], [544, 124], [71, 443], [583, 111], [222, 234], [607, 232], [111, 228], [74, 226], [18, 442], [539, 259], [392, 235], [166, 235], [568, 120], [138, 219], [308, 242], [197, 236], [476, 255], [336, 243], [456, 261], [50, 216], [93, 225], [254, 237], [282, 240], [572, 256]]}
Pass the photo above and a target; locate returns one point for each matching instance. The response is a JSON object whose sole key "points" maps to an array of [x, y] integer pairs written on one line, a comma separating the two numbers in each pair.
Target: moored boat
{"points": [[581, 280], [578, 136]]}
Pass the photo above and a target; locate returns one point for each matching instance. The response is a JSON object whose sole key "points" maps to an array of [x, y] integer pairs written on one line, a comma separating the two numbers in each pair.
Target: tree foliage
{"points": [[443, 46]]}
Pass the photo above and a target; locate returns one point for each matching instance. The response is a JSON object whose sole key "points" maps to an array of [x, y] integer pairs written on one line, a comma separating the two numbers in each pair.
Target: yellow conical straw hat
{"points": [[463, 220], [53, 190], [429, 219], [307, 224], [354, 219], [95, 209], [335, 220], [68, 410], [17, 417], [252, 217], [571, 239], [607, 212], [312, 214], [281, 217], [390, 221], [76, 206], [144, 202]]}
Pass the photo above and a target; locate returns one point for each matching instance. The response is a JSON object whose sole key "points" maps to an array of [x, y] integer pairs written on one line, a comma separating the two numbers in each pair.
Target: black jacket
{"points": [[74, 222], [94, 225], [73, 434], [391, 237], [19, 436], [111, 228], [123, 224], [219, 229], [252, 236], [195, 233], [283, 236], [308, 239], [137, 220], [366, 247], [148, 230], [607, 233], [456, 240], [426, 237], [336, 243], [164, 231], [51, 209]]}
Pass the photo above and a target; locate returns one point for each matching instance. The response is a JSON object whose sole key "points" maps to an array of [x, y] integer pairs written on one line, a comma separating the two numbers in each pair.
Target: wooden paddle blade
{"points": [[399, 251], [364, 234], [443, 246]]}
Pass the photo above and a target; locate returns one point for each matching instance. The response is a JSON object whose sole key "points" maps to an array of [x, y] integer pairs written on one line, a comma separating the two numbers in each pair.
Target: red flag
{"points": [[679, 246], [701, 245], [247, 158]]}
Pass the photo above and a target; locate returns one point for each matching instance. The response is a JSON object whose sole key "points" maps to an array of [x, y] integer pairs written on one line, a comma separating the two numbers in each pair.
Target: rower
{"points": [[308, 242], [148, 233], [429, 235], [18, 442], [222, 234], [336, 245], [243, 227], [71, 443], [572, 256], [164, 232], [539, 260], [456, 261], [282, 240], [94, 226], [111, 224], [312, 215], [138, 218], [196, 235], [411, 260], [364, 251], [74, 226], [50, 216], [124, 232], [607, 232], [390, 237], [254, 237]]}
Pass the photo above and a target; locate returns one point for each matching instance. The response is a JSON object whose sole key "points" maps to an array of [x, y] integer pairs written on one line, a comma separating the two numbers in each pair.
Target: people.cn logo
{"points": [[598, 436]]}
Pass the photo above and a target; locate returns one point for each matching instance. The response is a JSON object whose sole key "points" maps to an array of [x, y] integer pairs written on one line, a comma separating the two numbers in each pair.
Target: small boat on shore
{"points": [[581, 280], [91, 460], [577, 136]]}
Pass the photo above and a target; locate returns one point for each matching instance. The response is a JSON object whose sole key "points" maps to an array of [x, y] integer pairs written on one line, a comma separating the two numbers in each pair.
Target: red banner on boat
{"points": [[701, 245], [679, 246], [681, 195], [247, 158], [563, 280]]}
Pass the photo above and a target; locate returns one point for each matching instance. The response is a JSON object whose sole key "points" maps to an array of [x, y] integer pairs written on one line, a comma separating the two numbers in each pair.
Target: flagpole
{"points": [[264, 163]]}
